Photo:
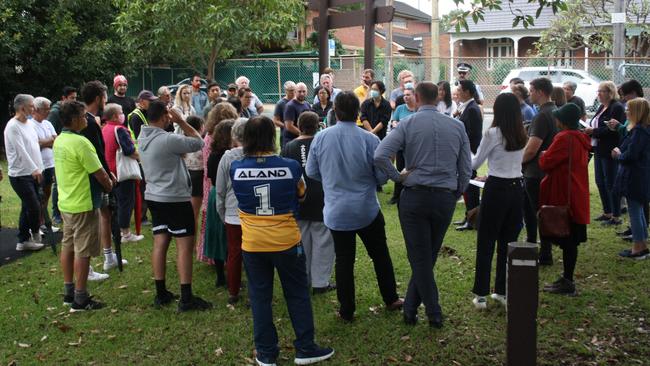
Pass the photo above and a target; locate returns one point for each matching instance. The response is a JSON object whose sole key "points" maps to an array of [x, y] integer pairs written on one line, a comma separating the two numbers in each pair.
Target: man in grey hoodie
{"points": [[168, 195]]}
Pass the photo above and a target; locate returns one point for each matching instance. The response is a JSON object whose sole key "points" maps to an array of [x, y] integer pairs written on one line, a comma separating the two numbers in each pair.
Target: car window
{"points": [[550, 74], [571, 76], [529, 75]]}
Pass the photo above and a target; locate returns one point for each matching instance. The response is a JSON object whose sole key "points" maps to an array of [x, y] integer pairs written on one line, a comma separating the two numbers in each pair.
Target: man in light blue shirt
{"points": [[438, 168], [341, 157]]}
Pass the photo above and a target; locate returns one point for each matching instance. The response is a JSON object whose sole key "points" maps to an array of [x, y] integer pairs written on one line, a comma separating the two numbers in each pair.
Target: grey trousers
{"points": [[319, 251]]}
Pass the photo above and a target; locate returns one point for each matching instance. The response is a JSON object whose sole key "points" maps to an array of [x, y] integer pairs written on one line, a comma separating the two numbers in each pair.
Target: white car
{"points": [[587, 83]]}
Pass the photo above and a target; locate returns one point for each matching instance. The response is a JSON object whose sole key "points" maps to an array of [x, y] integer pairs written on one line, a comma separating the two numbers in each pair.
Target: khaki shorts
{"points": [[81, 233]]}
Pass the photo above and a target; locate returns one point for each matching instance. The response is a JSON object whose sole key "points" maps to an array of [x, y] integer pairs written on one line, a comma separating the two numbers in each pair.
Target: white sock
{"points": [[108, 254]]}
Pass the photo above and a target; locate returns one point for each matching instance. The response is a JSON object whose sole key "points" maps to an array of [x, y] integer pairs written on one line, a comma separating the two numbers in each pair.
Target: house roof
{"points": [[500, 20], [404, 40], [406, 10]]}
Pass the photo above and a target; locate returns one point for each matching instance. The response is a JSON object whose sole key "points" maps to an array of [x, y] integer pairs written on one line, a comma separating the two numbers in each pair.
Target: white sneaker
{"points": [[480, 302], [37, 238], [131, 237], [112, 263], [500, 299], [29, 245], [96, 276]]}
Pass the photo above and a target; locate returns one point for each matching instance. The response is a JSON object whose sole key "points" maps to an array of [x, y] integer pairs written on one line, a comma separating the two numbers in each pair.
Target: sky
{"points": [[444, 6]]}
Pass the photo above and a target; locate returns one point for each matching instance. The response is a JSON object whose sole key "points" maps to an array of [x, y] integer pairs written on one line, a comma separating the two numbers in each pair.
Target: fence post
{"points": [[277, 62], [523, 295]]}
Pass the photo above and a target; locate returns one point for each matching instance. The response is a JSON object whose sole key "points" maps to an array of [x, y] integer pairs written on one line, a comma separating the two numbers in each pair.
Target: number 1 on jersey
{"points": [[263, 192]]}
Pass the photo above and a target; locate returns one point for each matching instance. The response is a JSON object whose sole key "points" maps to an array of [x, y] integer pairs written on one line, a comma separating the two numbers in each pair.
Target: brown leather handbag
{"points": [[555, 221]]}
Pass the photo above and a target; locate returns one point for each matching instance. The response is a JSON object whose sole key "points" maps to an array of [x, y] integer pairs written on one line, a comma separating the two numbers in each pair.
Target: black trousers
{"points": [[374, 239], [425, 217], [531, 206], [27, 189], [472, 195], [399, 164], [500, 222]]}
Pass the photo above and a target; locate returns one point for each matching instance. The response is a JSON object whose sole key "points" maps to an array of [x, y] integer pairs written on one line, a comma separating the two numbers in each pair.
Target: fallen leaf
{"points": [[123, 287], [62, 327], [146, 291], [113, 311], [392, 359], [44, 338], [77, 343], [408, 358], [111, 336], [24, 345], [405, 338], [218, 352]]}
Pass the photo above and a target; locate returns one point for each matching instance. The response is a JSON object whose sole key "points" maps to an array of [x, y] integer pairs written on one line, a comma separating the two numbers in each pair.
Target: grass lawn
{"points": [[607, 324]]}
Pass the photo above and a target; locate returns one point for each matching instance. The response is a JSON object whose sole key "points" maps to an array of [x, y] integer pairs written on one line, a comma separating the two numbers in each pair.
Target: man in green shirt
{"points": [[75, 159]]}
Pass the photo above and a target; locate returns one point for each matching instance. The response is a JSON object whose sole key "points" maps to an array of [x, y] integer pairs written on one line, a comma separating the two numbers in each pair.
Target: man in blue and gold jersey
{"points": [[268, 188]]}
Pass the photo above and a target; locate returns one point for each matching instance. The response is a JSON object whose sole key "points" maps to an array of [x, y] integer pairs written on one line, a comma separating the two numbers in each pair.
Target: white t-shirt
{"points": [[21, 146], [45, 130], [501, 163]]}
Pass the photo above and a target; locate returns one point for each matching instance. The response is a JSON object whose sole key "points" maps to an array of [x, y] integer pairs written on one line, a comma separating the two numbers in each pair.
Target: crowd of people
{"points": [[210, 175]]}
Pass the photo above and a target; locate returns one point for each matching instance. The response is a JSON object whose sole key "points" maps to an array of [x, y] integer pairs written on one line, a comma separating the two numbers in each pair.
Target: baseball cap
{"points": [[146, 95]]}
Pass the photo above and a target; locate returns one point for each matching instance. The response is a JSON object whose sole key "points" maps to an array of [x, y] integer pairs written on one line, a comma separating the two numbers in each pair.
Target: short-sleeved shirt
{"points": [[127, 103], [267, 190], [374, 115], [312, 207], [291, 113], [279, 108], [543, 127], [402, 111], [45, 130], [75, 159]]}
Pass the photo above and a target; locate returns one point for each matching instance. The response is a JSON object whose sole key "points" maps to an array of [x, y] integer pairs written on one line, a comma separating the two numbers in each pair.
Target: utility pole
{"points": [[618, 25], [388, 62], [435, 42]]}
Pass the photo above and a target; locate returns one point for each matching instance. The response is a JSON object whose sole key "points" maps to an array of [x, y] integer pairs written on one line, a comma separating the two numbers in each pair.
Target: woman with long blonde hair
{"points": [[183, 102], [634, 174]]}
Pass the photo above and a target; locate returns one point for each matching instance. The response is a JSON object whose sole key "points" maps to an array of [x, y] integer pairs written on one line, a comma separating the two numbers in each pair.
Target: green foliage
{"points": [[200, 33], [501, 70], [45, 45], [312, 43]]}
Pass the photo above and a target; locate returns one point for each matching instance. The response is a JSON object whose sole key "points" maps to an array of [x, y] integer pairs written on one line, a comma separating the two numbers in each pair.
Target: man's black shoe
{"points": [[322, 290], [164, 299], [436, 321], [393, 201], [461, 222], [545, 261], [195, 303], [410, 320], [627, 232], [89, 304], [561, 286], [464, 227]]}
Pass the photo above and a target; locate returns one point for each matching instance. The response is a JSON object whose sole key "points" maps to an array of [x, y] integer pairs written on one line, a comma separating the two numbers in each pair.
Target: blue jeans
{"points": [[606, 169], [637, 220], [26, 188], [291, 268]]}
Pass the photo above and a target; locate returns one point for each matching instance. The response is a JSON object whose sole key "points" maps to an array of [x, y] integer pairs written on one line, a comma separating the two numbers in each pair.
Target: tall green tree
{"points": [[200, 33], [45, 45]]}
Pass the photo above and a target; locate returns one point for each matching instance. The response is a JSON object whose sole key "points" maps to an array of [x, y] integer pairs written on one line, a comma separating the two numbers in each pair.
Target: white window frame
{"points": [[401, 23], [494, 48]]}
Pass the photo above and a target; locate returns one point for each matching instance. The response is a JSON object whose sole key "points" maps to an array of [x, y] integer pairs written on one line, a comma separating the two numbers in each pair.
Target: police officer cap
{"points": [[463, 67]]}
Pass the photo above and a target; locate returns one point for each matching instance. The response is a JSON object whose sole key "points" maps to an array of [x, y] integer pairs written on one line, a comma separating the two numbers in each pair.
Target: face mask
{"points": [[374, 94], [121, 118], [408, 86]]}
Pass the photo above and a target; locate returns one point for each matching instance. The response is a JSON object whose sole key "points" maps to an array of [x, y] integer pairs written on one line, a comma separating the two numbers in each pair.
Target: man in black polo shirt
{"points": [[541, 132], [280, 106], [292, 111]]}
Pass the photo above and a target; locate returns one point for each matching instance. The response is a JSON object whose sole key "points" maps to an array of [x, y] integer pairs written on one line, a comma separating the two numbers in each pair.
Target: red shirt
{"points": [[111, 144], [555, 163]]}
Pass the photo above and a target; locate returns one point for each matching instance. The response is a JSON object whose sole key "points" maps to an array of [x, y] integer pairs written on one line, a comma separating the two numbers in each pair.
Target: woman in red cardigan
{"points": [[554, 188]]}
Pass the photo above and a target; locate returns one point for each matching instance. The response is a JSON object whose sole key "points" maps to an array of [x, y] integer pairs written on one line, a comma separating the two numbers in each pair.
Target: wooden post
{"points": [[323, 36], [369, 35]]}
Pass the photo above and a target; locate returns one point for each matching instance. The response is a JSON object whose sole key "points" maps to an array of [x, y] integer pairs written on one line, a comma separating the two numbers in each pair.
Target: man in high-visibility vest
{"points": [[138, 117], [135, 121]]}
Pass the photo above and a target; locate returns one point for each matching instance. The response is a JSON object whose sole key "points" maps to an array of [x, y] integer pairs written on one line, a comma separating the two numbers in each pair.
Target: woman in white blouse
{"points": [[501, 209]]}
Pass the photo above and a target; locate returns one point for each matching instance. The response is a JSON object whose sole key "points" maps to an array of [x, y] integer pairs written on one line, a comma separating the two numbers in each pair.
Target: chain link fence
{"points": [[267, 75]]}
